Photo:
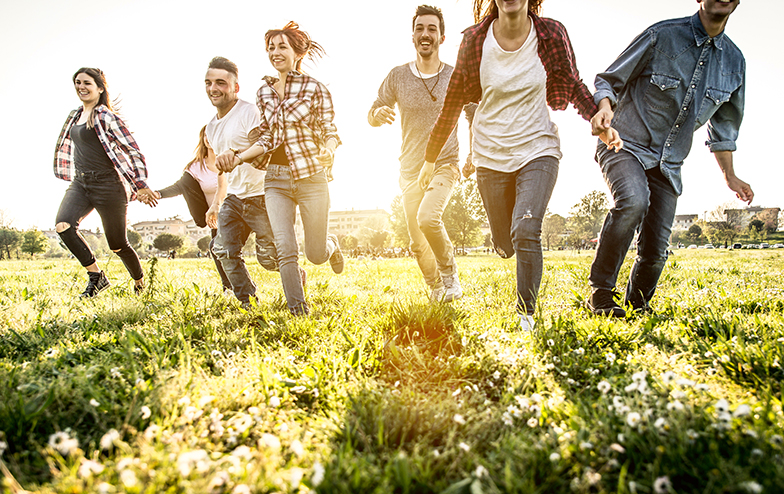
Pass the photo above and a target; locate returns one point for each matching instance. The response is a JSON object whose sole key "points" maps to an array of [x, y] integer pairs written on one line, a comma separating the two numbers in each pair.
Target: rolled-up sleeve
{"points": [[724, 125]]}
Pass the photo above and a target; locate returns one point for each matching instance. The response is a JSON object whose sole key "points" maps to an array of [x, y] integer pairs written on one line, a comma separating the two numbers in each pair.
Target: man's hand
{"points": [[611, 139], [742, 189], [468, 168], [212, 216], [383, 115], [602, 120], [225, 161], [426, 175], [148, 197]]}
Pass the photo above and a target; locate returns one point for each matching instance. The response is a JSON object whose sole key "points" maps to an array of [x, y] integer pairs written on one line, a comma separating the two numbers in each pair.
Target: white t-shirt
{"points": [[512, 125], [233, 131]]}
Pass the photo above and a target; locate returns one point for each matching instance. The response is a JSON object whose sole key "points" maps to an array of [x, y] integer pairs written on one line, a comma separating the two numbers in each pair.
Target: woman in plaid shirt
{"points": [[98, 155], [514, 64], [298, 141]]}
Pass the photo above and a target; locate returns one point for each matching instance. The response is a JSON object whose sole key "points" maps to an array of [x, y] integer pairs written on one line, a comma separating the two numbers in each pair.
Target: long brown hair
{"points": [[485, 8], [201, 152], [299, 40], [100, 81]]}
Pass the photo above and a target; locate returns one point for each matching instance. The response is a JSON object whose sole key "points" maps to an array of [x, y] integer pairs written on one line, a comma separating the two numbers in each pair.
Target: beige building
{"points": [[742, 217], [350, 222], [684, 221], [176, 226]]}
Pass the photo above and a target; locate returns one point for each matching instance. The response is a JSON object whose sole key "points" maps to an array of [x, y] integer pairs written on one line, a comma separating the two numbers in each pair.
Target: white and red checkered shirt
{"points": [[117, 141], [302, 121]]}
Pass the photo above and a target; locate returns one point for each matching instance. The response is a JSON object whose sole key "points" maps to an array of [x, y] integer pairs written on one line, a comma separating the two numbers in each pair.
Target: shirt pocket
{"points": [[662, 91], [296, 111], [713, 99]]}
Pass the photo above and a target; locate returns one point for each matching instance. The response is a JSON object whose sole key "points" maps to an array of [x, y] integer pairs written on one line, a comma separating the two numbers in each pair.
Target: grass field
{"points": [[180, 390]]}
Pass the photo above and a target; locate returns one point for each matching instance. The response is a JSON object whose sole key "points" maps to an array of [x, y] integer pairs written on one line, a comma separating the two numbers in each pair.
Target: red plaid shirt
{"points": [[302, 120], [117, 142], [564, 85]]}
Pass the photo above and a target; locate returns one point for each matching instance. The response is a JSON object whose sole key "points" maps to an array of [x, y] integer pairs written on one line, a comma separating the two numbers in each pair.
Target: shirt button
{"points": [[677, 126], [685, 108], [693, 86], [668, 144], [702, 63]]}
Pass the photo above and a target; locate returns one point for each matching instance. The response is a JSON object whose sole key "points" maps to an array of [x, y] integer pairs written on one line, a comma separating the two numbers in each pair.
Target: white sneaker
{"points": [[438, 292], [453, 289], [526, 323]]}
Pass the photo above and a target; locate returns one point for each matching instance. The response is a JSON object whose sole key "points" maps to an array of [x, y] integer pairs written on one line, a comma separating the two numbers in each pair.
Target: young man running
{"points": [[418, 88]]}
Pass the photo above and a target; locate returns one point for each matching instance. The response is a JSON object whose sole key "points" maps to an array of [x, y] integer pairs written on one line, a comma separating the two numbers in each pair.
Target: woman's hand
{"points": [[227, 161], [611, 139], [148, 197], [326, 157], [212, 216]]}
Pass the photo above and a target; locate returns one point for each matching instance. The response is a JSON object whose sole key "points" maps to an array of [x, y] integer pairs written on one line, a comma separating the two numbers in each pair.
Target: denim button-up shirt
{"points": [[670, 81]]}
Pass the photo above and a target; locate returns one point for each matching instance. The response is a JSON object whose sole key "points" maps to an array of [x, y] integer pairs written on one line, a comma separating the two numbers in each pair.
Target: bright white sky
{"points": [[155, 54]]}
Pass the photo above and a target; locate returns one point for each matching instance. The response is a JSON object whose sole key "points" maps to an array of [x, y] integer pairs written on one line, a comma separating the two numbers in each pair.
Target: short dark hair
{"points": [[225, 64], [429, 10]]}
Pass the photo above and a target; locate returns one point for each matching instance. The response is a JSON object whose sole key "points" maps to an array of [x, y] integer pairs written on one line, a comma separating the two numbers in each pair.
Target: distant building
{"points": [[52, 234], [742, 217], [350, 222], [176, 226], [684, 221]]}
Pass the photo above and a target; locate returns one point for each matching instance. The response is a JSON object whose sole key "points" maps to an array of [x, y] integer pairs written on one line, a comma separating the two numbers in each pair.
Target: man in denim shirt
{"points": [[675, 77]]}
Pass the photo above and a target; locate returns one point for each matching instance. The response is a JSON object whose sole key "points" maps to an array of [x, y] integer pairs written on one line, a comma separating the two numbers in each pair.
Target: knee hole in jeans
{"points": [[62, 226]]}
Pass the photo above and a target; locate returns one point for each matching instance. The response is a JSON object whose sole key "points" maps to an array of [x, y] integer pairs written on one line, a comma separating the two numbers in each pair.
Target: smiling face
{"points": [[512, 7], [427, 35], [281, 55], [89, 92], [221, 88], [720, 8]]}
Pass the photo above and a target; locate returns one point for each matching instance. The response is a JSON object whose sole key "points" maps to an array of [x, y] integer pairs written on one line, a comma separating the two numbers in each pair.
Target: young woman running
{"points": [[98, 155], [203, 188], [514, 63], [299, 141]]}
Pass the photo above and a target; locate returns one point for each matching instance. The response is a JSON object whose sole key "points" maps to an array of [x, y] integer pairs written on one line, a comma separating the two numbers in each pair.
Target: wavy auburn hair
{"points": [[485, 8], [299, 40]]}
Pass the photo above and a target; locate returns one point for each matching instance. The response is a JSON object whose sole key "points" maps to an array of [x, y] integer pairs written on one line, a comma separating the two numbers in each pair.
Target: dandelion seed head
{"points": [[554, 457], [662, 485], [604, 387], [108, 439]]}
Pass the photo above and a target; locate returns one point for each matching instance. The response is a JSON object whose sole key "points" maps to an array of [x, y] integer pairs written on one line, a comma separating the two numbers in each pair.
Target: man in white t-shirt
{"points": [[236, 128]]}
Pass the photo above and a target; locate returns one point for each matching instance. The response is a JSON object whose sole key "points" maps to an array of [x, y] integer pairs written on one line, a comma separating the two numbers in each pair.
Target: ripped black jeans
{"points": [[103, 192]]}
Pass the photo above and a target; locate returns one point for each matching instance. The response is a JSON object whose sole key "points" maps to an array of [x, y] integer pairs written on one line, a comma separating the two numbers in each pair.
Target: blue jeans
{"points": [[284, 194], [236, 219], [515, 204], [644, 201]]}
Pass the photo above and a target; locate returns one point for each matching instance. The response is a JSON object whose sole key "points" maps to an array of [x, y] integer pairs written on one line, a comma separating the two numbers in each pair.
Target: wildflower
{"points": [[610, 357], [459, 419], [205, 400], [741, 411], [197, 458], [496, 375], [685, 383], [586, 445], [724, 359], [591, 477], [633, 487], [52, 352], [536, 398], [295, 477], [240, 489], [456, 392], [108, 439], [184, 401], [617, 448], [633, 419], [128, 478], [464, 447], [481, 472], [218, 481], [104, 488], [662, 485], [192, 413], [675, 406], [3, 447], [751, 486], [722, 406], [63, 443], [776, 440], [724, 421], [94, 403], [604, 387], [274, 402], [89, 467], [298, 389], [702, 387], [146, 412], [554, 457], [677, 394], [241, 423], [269, 441], [580, 352], [318, 474], [692, 435], [639, 376], [662, 424], [532, 422], [436, 453], [152, 432], [550, 343], [297, 448], [507, 419]]}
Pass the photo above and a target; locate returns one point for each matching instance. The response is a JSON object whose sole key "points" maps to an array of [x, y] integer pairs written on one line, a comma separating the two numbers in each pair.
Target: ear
{"points": [[443, 37], [236, 87]]}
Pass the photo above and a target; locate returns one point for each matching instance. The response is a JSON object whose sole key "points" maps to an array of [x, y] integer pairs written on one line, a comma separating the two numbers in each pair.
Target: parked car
{"points": [[692, 246], [764, 245], [778, 246], [737, 246], [709, 246]]}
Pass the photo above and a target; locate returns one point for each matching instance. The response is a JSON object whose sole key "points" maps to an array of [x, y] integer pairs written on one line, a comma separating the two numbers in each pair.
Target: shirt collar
{"points": [[542, 29], [272, 79], [701, 35]]}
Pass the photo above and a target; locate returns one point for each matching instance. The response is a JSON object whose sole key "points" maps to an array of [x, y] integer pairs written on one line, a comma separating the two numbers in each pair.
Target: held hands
{"points": [[600, 126], [148, 197], [326, 157], [426, 175], [226, 161], [611, 139], [212, 217], [384, 115], [468, 168]]}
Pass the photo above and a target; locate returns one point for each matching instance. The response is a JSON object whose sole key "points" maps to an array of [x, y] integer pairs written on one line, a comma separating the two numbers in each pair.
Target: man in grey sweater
{"points": [[418, 88]]}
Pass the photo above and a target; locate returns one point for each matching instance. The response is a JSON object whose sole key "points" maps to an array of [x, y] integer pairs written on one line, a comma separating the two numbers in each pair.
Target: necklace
{"points": [[438, 77]]}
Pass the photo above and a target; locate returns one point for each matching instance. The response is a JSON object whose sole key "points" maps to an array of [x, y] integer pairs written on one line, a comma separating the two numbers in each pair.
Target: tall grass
{"points": [[181, 390]]}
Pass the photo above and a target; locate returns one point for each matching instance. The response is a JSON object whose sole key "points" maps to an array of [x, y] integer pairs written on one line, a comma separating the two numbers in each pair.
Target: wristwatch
{"points": [[236, 153]]}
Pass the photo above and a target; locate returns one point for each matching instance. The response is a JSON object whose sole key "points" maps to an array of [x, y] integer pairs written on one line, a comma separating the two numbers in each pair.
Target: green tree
{"points": [[553, 227], [464, 215], [375, 232], [134, 238], [9, 240], [167, 241], [204, 243], [397, 221], [586, 217], [695, 232], [34, 242], [349, 242]]}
